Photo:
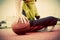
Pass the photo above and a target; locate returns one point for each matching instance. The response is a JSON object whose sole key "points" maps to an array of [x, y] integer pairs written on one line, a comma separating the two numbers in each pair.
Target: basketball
{"points": [[21, 28]]}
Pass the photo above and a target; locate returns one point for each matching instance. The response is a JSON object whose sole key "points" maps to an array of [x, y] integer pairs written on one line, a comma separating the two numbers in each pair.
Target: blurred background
{"points": [[45, 8]]}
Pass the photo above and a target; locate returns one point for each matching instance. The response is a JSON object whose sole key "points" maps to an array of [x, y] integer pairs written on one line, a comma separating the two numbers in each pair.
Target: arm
{"points": [[21, 18]]}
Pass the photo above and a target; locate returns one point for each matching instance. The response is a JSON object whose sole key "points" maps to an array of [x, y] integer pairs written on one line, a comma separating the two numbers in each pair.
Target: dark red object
{"points": [[21, 28]]}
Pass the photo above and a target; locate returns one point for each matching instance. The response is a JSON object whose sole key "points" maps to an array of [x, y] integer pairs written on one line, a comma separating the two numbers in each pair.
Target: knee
{"points": [[51, 17]]}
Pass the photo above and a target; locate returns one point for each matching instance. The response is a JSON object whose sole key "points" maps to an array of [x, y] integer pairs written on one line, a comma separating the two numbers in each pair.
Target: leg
{"points": [[44, 22]]}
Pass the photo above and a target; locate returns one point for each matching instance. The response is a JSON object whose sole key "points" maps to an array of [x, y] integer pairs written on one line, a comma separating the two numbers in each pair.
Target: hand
{"points": [[23, 19]]}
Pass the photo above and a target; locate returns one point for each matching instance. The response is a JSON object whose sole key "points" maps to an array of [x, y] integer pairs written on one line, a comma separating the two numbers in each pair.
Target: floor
{"points": [[8, 34]]}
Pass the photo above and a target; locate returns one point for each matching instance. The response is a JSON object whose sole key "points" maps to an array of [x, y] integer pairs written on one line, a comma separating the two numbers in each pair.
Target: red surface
{"points": [[7, 34]]}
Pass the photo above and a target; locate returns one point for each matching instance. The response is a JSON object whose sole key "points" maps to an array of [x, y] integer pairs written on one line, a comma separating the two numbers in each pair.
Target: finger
{"points": [[20, 20], [26, 19]]}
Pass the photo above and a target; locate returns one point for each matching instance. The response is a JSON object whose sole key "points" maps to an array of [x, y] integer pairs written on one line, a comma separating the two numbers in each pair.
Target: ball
{"points": [[20, 28]]}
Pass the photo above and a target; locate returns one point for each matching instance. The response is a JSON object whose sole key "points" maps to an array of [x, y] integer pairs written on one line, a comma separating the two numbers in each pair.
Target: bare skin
{"points": [[21, 17]]}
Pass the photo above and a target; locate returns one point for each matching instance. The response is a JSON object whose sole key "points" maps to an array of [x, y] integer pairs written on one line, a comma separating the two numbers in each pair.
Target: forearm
{"points": [[19, 8]]}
